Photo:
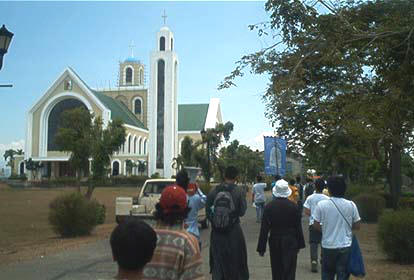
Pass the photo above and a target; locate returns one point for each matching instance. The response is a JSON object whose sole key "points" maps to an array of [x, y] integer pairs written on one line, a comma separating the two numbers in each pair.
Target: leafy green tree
{"points": [[344, 67], [249, 163], [142, 166], [129, 164], [85, 139], [207, 157], [9, 158]]}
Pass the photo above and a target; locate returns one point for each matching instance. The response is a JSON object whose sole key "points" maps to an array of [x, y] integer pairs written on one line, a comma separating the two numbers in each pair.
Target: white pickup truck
{"points": [[144, 205]]}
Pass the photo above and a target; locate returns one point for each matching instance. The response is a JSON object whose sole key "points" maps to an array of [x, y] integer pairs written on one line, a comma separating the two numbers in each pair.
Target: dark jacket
{"points": [[228, 252], [281, 218]]}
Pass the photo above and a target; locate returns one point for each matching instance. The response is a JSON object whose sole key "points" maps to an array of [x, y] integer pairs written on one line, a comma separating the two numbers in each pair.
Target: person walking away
{"points": [[258, 197], [177, 255], [336, 215], [299, 186], [315, 236], [282, 227], [276, 179], [196, 202], [309, 187], [182, 179], [225, 205], [132, 243], [295, 193]]}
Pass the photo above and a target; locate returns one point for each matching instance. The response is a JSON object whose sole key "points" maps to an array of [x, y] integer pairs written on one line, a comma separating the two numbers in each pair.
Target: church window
{"points": [[160, 113], [55, 119], [141, 77], [138, 106], [162, 43], [135, 145], [128, 75], [145, 146], [129, 144], [115, 168], [140, 146], [172, 44]]}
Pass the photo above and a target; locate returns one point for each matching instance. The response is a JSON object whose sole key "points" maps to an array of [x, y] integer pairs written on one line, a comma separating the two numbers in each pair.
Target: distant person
{"points": [[133, 243], [309, 187], [295, 192], [196, 202], [258, 197], [225, 205], [301, 199], [182, 179], [177, 255], [282, 219], [315, 236], [276, 178], [338, 217]]}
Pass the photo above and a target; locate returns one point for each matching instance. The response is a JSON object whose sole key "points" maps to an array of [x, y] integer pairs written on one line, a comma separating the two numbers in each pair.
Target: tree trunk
{"points": [[89, 192], [78, 180], [395, 174]]}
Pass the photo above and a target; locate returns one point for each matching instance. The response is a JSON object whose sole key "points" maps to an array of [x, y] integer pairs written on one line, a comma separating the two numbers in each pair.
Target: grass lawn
{"points": [[25, 231]]}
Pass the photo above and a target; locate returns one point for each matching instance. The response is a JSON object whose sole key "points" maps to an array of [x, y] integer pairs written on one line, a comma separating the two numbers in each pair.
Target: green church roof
{"points": [[192, 117], [119, 110]]}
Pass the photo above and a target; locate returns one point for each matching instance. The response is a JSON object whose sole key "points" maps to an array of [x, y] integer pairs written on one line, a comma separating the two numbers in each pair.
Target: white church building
{"points": [[154, 121]]}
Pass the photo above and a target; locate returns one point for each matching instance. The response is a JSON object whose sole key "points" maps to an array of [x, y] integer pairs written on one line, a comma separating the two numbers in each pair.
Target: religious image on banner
{"points": [[275, 155]]}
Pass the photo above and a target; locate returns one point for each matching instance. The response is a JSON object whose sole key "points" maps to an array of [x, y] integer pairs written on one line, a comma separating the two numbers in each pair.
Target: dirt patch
{"points": [[376, 263], [25, 232]]}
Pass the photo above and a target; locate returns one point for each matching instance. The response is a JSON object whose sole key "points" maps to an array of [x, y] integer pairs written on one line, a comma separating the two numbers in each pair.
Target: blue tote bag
{"points": [[356, 265]]}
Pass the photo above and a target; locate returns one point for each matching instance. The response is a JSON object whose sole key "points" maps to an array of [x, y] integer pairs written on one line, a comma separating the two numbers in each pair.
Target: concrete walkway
{"points": [[94, 261]]}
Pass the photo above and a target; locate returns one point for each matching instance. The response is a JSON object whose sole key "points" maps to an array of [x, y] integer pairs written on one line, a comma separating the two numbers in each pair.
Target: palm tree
{"points": [[142, 166]]}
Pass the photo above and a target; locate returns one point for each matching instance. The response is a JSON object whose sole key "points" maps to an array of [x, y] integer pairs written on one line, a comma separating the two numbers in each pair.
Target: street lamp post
{"points": [[5, 39], [205, 138]]}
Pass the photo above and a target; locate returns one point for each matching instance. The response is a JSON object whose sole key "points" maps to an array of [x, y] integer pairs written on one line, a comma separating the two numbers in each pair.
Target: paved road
{"points": [[94, 261]]}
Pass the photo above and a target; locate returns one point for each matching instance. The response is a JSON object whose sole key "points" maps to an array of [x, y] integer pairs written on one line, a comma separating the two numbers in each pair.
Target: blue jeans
{"points": [[335, 262], [259, 210]]}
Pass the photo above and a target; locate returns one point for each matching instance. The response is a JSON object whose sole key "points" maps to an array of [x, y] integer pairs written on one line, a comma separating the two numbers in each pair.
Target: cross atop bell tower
{"points": [[164, 17]]}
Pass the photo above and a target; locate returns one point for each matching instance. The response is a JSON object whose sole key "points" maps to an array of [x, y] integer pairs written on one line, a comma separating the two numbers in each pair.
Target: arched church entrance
{"points": [[115, 168]]}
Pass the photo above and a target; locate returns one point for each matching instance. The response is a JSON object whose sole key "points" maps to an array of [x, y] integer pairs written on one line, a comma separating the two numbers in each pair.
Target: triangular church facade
{"points": [[155, 123]]}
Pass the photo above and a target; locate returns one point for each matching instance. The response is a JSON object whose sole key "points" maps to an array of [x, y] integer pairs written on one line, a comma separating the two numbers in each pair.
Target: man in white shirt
{"points": [[315, 236], [338, 218], [258, 197]]}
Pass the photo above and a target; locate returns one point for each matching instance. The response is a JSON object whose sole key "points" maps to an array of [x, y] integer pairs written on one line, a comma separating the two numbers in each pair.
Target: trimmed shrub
{"points": [[396, 235], [100, 212], [73, 215], [406, 203], [129, 180], [370, 206]]}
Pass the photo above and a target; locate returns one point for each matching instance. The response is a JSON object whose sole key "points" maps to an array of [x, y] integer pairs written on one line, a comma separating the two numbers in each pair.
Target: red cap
{"points": [[173, 199], [192, 187]]}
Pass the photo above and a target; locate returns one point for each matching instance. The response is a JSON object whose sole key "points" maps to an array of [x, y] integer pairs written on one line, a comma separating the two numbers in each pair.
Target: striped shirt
{"points": [[177, 255]]}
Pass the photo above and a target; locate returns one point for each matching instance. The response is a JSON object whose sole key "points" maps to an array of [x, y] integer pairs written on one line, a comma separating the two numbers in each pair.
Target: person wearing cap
{"points": [[281, 225], [196, 201], [177, 255], [133, 243]]}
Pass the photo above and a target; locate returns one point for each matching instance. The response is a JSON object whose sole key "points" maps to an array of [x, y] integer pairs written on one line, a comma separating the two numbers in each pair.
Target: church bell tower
{"points": [[163, 113]]}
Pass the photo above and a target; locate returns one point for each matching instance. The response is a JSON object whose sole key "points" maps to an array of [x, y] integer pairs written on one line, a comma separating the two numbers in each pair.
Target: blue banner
{"points": [[275, 156]]}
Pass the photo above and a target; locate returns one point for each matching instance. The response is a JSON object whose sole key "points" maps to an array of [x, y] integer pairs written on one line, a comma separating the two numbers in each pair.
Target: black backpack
{"points": [[310, 188], [223, 217]]}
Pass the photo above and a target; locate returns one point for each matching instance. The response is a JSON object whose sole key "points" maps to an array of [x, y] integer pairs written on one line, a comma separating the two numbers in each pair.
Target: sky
{"points": [[92, 37]]}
